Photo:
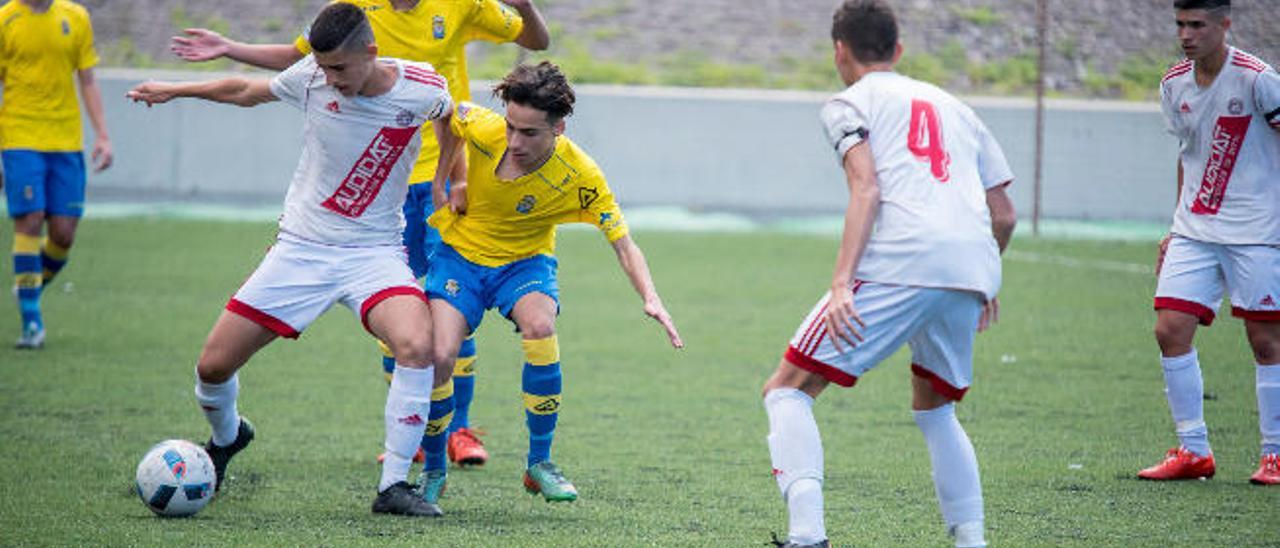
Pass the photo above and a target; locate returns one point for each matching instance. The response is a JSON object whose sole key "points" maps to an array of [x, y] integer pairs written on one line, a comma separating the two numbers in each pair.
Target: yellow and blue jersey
{"points": [[511, 220], [39, 56], [437, 32]]}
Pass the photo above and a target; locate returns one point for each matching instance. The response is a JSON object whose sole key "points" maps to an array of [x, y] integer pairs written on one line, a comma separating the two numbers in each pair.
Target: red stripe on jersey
{"points": [[432, 83], [421, 72], [1249, 58], [364, 181], [1177, 69], [1249, 66]]}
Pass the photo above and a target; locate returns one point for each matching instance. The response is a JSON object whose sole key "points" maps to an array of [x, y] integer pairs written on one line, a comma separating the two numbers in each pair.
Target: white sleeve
{"points": [[442, 104], [1167, 108], [844, 125], [290, 86], [993, 167], [1266, 94]]}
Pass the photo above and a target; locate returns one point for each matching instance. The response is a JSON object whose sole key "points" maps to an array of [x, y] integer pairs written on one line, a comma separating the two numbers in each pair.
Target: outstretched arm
{"points": [[91, 96], [235, 91], [206, 45], [534, 36], [631, 259]]}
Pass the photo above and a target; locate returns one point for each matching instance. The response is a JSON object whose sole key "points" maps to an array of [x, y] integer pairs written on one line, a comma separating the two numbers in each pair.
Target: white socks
{"points": [[219, 404], [1184, 388], [1268, 385], [795, 447], [955, 471], [408, 405]]}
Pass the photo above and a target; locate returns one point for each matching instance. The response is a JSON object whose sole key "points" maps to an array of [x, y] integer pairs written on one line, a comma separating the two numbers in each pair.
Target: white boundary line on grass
{"points": [[1105, 265]]}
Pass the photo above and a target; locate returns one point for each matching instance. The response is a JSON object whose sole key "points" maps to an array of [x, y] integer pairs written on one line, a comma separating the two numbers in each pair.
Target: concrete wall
{"points": [[751, 151]]}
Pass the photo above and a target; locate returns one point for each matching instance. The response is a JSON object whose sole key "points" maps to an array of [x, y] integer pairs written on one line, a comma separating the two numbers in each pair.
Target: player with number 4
{"points": [[919, 264]]}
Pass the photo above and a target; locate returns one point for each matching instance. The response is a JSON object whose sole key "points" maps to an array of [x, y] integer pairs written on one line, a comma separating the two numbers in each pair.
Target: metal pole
{"points": [[1042, 28]]}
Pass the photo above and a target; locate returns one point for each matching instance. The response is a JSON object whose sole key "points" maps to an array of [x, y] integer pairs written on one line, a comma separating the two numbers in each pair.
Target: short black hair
{"points": [[868, 28], [540, 86], [1201, 4], [340, 25]]}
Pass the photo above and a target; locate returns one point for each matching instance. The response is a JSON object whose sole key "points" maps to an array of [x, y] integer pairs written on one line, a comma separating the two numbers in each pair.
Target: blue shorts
{"points": [[420, 238], [52, 182], [473, 289]]}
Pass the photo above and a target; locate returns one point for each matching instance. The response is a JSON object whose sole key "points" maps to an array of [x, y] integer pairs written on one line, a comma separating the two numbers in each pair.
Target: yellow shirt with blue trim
{"points": [[436, 32], [509, 220], [39, 56]]}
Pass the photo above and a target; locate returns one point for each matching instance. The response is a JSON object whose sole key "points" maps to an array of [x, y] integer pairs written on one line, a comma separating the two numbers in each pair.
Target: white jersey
{"points": [[934, 161], [1230, 136], [357, 152]]}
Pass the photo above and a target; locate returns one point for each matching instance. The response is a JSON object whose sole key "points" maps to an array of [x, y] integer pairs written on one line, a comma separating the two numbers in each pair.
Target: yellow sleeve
{"points": [[598, 207], [494, 22], [302, 45], [86, 56], [471, 120]]}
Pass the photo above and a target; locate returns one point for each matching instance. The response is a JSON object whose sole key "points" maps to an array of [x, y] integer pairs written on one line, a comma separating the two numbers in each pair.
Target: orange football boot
{"points": [[1180, 464], [1268, 471], [466, 449]]}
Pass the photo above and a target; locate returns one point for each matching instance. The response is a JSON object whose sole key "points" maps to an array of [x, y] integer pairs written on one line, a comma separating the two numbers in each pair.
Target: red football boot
{"points": [[418, 457], [466, 449], [1268, 471], [1180, 464]]}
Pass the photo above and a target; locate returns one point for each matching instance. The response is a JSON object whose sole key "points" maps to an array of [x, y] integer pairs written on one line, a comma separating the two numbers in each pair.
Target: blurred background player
{"points": [[340, 236], [498, 243], [1223, 105], [925, 172], [42, 44], [436, 32]]}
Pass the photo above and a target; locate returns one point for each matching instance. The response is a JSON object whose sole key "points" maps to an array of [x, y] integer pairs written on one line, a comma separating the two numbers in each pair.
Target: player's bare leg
{"points": [[795, 448], [404, 323], [1193, 458], [231, 342], [955, 465], [1264, 338], [535, 315]]}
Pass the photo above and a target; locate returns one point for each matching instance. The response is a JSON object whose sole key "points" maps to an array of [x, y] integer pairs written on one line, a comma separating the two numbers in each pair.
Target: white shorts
{"points": [[299, 280], [938, 324], [1194, 273]]}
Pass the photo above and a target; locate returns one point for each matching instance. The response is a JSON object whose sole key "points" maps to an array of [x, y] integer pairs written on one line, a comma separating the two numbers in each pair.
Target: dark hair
{"points": [[868, 28], [340, 25], [1201, 4], [540, 86]]}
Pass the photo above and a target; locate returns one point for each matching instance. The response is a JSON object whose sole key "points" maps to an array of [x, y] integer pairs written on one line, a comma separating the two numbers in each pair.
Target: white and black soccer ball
{"points": [[175, 478]]}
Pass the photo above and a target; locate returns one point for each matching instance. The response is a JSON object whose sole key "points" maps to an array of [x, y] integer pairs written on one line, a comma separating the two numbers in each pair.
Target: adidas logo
{"points": [[776, 472], [1185, 107], [411, 420], [1267, 301], [333, 107]]}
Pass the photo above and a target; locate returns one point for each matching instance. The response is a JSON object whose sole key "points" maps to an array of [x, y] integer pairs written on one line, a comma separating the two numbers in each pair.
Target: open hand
{"points": [[840, 318], [990, 314], [654, 309], [199, 45]]}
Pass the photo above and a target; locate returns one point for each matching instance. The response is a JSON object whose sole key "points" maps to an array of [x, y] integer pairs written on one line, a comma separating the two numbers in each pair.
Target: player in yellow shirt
{"points": [[43, 43], [437, 32], [498, 238]]}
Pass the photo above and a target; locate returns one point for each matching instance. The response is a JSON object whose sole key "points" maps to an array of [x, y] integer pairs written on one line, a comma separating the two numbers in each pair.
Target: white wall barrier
{"points": [[756, 152]]}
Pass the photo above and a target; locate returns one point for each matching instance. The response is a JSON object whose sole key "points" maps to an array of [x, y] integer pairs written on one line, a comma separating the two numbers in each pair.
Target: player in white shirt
{"points": [[919, 264], [339, 235], [1223, 105]]}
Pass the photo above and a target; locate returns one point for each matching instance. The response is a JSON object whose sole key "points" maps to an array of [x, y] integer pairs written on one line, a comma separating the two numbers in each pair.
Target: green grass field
{"points": [[667, 447]]}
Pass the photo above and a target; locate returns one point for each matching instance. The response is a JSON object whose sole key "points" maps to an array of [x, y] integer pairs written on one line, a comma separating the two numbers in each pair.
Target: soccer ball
{"points": [[175, 478]]}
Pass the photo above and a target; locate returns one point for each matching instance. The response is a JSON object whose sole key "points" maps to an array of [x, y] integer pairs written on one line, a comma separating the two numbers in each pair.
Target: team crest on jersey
{"points": [[587, 196], [607, 222], [404, 118], [451, 287], [437, 27], [66, 27], [1235, 105], [526, 204]]}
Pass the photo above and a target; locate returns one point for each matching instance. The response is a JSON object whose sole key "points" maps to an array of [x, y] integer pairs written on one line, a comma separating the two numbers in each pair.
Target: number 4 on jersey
{"points": [[924, 139]]}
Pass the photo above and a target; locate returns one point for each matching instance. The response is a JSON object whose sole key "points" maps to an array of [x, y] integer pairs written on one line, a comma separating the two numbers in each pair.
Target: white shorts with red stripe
{"points": [[937, 324], [299, 280], [1194, 274]]}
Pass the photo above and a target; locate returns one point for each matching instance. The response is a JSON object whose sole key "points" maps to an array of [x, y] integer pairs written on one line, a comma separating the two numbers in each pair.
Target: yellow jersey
{"points": [[437, 32], [39, 56], [511, 220]]}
